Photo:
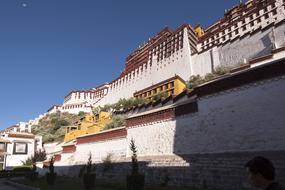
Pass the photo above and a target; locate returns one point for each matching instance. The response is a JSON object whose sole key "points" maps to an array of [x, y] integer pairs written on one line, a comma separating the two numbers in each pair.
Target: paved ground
{"points": [[3, 186]]}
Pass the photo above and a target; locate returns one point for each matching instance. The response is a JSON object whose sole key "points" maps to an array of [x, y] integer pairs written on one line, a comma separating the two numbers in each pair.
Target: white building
{"points": [[83, 100], [248, 31], [17, 144]]}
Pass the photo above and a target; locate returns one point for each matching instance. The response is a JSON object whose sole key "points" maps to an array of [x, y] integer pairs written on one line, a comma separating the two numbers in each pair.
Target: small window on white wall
{"points": [[20, 148]]}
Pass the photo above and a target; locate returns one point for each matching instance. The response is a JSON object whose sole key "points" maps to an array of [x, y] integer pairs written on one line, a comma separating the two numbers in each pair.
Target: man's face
{"points": [[254, 179]]}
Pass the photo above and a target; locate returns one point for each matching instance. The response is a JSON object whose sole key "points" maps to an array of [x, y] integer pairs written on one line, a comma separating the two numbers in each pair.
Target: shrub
{"points": [[40, 156], [160, 95], [48, 138], [107, 163], [89, 177], [24, 168], [210, 76], [51, 175], [135, 181], [29, 162], [221, 70], [194, 81], [117, 121], [81, 114]]}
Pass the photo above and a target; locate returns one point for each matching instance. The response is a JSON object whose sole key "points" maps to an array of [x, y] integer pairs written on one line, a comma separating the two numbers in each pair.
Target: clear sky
{"points": [[50, 47]]}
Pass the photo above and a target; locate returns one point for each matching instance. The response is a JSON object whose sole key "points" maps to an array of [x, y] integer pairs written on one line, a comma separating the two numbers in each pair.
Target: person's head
{"points": [[261, 171]]}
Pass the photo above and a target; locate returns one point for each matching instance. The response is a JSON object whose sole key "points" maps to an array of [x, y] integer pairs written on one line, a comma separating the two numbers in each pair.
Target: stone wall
{"points": [[99, 150], [207, 148]]}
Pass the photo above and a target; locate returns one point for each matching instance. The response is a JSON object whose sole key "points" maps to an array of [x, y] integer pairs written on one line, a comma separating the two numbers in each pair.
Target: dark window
{"points": [[274, 12], [166, 86], [154, 91], [20, 148], [266, 16]]}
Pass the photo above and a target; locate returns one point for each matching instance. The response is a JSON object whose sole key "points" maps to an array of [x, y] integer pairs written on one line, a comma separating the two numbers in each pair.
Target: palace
{"points": [[248, 32], [196, 136]]}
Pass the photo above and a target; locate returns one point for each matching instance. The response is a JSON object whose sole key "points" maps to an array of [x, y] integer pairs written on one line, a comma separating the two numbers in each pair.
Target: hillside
{"points": [[52, 126]]}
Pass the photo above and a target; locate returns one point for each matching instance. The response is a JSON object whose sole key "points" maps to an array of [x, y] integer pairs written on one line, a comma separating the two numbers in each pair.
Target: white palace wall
{"points": [[229, 128], [100, 150], [153, 139], [184, 64], [250, 42], [240, 51], [177, 64], [245, 119]]}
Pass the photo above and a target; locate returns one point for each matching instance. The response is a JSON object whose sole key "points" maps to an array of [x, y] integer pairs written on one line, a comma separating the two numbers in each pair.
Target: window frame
{"points": [[20, 153]]}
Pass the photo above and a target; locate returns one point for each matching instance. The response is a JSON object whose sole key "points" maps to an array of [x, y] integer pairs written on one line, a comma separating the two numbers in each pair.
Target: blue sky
{"points": [[50, 47]]}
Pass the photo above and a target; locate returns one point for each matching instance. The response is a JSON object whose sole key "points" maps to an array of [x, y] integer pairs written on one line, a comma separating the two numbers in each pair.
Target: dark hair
{"points": [[263, 166]]}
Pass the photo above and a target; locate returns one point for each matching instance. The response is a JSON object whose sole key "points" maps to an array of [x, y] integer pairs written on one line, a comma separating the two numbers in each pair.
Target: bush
{"points": [[194, 81], [107, 163], [29, 162], [88, 177], [40, 156], [122, 104], [221, 70], [117, 121], [209, 76], [81, 114], [135, 181], [51, 175], [24, 168], [160, 95]]}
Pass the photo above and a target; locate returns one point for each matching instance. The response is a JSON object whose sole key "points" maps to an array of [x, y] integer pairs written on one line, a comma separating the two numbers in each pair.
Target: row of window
{"points": [[73, 106], [237, 31], [234, 29], [152, 92], [91, 95]]}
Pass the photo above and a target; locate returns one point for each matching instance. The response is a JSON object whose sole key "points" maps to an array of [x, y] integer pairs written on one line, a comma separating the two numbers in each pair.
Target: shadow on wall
{"points": [[267, 42], [206, 171], [227, 130]]}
